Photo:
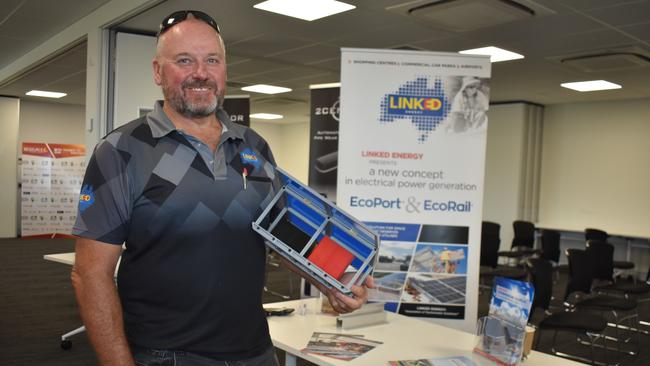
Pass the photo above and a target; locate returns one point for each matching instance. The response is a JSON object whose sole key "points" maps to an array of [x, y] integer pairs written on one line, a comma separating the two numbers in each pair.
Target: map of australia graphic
{"points": [[425, 105]]}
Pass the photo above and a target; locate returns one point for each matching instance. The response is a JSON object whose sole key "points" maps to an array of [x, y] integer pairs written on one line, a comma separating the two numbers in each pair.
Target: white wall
{"points": [[504, 167], [51, 122], [596, 167], [9, 115], [134, 85], [290, 146]]}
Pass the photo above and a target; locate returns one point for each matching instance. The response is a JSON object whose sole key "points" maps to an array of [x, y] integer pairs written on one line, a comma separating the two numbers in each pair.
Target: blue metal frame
{"points": [[315, 216]]}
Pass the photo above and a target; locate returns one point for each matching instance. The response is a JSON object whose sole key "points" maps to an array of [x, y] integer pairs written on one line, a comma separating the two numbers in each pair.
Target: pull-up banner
{"points": [[51, 180], [412, 138], [324, 141]]}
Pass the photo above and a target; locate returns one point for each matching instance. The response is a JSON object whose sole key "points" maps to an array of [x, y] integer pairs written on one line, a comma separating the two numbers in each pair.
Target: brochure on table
{"points": [[443, 361]]}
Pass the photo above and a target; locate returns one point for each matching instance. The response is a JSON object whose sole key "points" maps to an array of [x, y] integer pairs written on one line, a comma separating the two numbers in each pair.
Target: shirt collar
{"points": [[161, 125]]}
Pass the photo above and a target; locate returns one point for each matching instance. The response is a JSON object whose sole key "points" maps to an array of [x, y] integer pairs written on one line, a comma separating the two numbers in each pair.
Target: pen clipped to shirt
{"points": [[244, 175]]}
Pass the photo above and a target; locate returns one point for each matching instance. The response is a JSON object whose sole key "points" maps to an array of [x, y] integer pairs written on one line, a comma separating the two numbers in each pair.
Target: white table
{"points": [[65, 258], [403, 338], [68, 258]]}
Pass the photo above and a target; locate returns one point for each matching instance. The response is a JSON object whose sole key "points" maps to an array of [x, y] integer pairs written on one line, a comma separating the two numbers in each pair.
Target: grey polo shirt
{"points": [[191, 276]]}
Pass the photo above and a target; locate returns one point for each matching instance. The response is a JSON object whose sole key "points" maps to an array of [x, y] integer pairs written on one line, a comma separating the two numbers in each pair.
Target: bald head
{"points": [[190, 66], [161, 40]]}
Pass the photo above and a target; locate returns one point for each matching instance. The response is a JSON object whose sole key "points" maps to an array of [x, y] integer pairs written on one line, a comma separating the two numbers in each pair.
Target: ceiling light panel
{"points": [[496, 54], [592, 85], [45, 94], [266, 89], [325, 85], [306, 10], [266, 116]]}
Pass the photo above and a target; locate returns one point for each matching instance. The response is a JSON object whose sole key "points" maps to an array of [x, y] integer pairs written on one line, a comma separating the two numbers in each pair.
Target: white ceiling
{"points": [[273, 49], [25, 24]]}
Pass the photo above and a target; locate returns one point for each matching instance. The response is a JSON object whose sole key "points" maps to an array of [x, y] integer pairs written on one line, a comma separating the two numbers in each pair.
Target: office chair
{"points": [[585, 323], [579, 295], [604, 272], [603, 254], [490, 240], [619, 266], [551, 249], [273, 262], [522, 243]]}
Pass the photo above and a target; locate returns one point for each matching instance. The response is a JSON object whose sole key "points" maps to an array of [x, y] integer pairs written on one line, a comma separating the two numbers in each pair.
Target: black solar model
{"points": [[449, 290], [317, 236]]}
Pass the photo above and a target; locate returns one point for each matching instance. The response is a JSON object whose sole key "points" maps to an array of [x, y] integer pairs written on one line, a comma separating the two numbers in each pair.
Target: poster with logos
{"points": [[413, 128], [51, 176], [324, 141]]}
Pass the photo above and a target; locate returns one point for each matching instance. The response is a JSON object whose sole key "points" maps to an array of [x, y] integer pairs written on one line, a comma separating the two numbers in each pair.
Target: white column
{"points": [[96, 86], [9, 117]]}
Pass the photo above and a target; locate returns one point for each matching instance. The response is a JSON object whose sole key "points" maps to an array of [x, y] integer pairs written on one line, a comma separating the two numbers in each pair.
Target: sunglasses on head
{"points": [[179, 16]]}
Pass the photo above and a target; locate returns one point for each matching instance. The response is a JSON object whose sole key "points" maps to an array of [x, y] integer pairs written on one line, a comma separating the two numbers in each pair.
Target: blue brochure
{"points": [[511, 301]]}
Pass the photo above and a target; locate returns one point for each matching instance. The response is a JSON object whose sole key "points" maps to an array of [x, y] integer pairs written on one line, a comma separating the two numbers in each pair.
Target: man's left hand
{"points": [[344, 304]]}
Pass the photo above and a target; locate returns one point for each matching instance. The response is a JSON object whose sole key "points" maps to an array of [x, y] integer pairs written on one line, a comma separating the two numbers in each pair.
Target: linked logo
{"points": [[249, 157], [86, 198], [414, 105], [421, 100]]}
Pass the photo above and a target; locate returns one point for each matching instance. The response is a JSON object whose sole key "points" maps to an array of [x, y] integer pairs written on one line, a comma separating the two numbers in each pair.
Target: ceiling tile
{"points": [[308, 54], [620, 14], [640, 31], [265, 44], [67, 83], [585, 5], [257, 67], [390, 36], [587, 42], [10, 7]]}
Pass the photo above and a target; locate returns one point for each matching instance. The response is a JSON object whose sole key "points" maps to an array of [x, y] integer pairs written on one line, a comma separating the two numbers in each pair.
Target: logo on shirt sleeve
{"points": [[86, 198]]}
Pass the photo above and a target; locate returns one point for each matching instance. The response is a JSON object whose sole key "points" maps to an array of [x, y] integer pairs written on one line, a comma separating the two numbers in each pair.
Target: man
{"points": [[172, 188]]}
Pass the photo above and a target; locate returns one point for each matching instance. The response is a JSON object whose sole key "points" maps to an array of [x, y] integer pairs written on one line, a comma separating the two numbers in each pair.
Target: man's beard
{"points": [[181, 104]]}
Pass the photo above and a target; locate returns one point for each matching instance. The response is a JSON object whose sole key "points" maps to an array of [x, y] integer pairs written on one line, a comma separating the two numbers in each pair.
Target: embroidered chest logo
{"points": [[249, 158]]}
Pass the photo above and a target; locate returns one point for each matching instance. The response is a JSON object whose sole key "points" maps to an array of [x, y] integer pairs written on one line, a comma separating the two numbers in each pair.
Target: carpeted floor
{"points": [[37, 305]]}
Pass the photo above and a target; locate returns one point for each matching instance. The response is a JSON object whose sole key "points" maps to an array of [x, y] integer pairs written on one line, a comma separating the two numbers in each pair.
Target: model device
{"points": [[317, 236]]}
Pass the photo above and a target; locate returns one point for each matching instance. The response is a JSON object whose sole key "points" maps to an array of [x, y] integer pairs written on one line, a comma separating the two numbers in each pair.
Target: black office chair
{"points": [[522, 243], [582, 269], [551, 249], [584, 323], [273, 265], [490, 240], [619, 266], [603, 253]]}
